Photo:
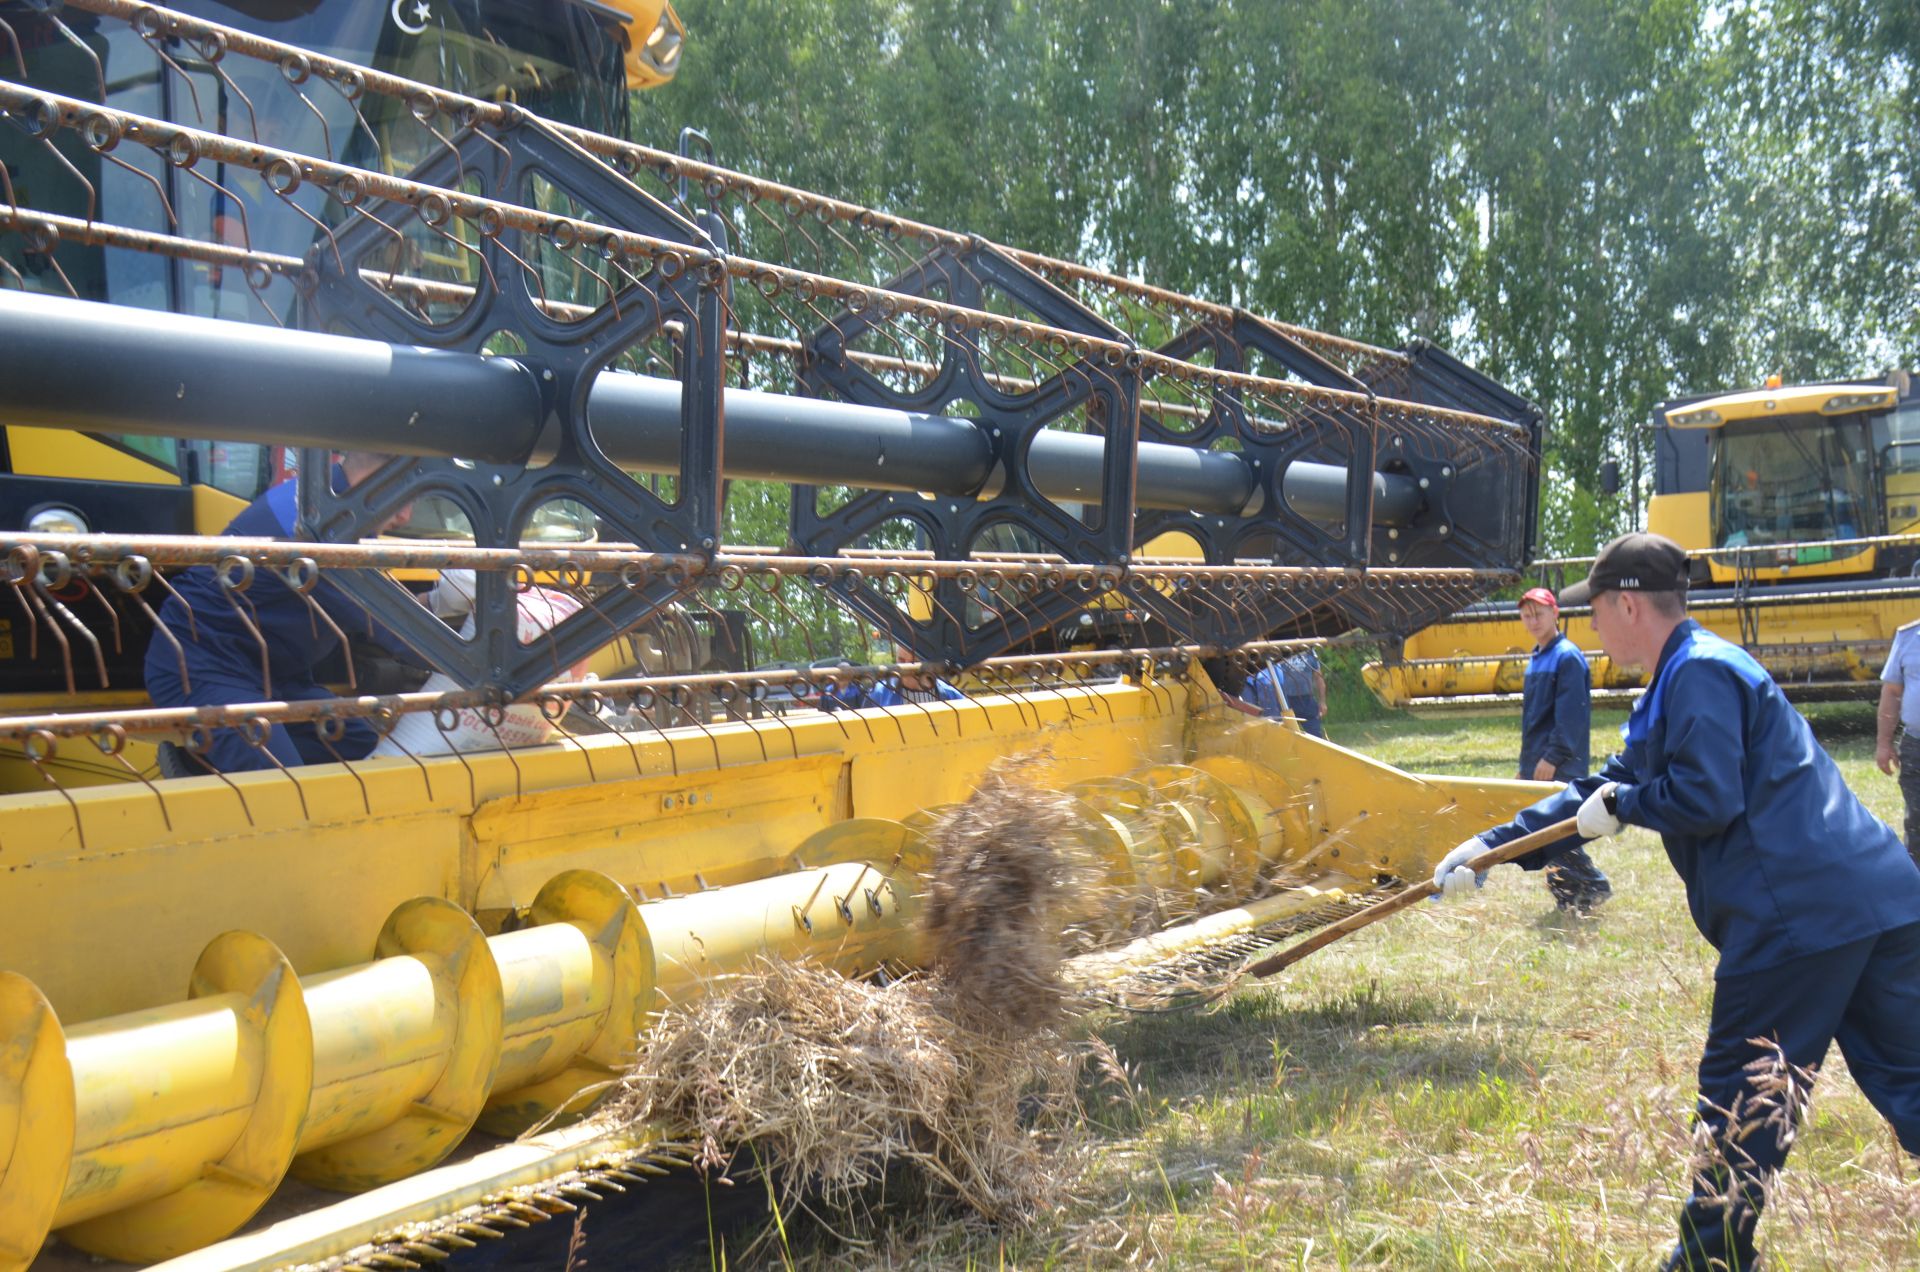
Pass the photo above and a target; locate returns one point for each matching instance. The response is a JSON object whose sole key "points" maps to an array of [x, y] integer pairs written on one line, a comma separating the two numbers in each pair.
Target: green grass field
{"points": [[1472, 1087]]}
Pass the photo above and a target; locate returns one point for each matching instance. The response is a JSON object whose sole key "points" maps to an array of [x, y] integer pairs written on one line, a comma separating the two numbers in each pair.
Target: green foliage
{"points": [[804, 625], [1820, 155], [1348, 698], [1601, 202]]}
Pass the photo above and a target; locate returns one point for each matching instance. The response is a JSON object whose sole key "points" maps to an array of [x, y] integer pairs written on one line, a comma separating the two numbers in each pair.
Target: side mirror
{"points": [[1610, 477]]}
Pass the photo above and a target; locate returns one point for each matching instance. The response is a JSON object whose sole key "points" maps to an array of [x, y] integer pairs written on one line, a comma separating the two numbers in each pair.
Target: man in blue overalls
{"points": [[222, 656], [898, 689], [1811, 901], [1556, 719], [1294, 684]]}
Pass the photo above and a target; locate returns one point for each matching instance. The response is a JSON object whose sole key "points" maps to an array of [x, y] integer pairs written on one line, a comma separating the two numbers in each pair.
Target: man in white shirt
{"points": [[1900, 700]]}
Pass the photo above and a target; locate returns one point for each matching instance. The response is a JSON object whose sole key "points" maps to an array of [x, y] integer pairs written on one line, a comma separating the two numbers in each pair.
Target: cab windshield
{"points": [[1802, 479]]}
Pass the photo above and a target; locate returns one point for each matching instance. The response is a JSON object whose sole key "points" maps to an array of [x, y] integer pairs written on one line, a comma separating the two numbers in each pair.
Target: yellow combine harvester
{"points": [[329, 990], [1800, 508]]}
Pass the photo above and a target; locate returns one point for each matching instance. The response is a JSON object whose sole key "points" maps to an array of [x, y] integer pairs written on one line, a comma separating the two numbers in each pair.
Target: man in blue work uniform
{"points": [[1556, 719], [1811, 901], [895, 690], [1900, 702], [222, 654], [1294, 684]]}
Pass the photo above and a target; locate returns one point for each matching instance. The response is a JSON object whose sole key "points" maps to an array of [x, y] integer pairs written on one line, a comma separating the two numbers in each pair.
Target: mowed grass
{"points": [[1480, 1086]]}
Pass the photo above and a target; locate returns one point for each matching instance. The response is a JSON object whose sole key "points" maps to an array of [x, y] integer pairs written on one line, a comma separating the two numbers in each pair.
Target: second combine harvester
{"points": [[1799, 506]]}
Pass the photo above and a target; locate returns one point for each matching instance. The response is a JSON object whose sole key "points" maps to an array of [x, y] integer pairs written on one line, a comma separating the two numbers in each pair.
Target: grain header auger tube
{"points": [[333, 976]]}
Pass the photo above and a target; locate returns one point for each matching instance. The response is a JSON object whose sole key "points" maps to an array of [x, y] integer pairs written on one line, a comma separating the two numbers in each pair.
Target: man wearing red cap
{"points": [[1556, 719]]}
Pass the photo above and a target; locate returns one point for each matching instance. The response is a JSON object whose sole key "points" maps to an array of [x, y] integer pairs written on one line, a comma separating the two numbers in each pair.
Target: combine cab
{"points": [[330, 990], [1799, 507]]}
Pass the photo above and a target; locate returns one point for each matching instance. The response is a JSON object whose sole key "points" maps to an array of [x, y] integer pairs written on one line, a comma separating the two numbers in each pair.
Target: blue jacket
{"points": [[1779, 858], [1556, 715], [1280, 686], [217, 639]]}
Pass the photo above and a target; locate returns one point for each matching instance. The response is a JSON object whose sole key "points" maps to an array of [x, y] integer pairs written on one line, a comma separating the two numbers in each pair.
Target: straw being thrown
{"points": [[965, 1076]]}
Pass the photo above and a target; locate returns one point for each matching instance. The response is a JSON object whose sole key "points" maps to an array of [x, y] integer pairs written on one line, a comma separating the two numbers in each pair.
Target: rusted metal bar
{"points": [[57, 228], [27, 553], [51, 228], [108, 729]]}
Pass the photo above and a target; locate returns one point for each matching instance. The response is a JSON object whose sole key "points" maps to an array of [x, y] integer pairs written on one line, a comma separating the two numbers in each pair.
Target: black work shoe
{"points": [[174, 760], [1584, 905]]}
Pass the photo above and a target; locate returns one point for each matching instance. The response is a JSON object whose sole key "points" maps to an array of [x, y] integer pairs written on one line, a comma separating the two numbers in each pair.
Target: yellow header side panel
{"points": [[113, 893], [1820, 638], [1683, 518], [1826, 637], [1369, 818], [1471, 638], [1492, 656], [53, 452]]}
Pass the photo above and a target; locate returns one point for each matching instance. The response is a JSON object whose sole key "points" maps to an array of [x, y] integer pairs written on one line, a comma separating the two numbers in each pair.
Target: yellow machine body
{"points": [[1685, 517], [655, 36], [1823, 643], [48, 452], [334, 973], [1801, 409]]}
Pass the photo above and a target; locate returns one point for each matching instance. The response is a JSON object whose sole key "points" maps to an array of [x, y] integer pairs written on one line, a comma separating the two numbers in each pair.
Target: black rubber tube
{"points": [[111, 369]]}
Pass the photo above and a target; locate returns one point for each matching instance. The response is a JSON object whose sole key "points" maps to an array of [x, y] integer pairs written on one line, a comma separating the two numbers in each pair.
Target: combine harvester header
{"points": [[1060, 489]]}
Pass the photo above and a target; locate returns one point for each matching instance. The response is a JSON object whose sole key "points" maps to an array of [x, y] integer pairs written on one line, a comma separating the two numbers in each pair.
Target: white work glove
{"points": [[1452, 877], [1595, 819]]}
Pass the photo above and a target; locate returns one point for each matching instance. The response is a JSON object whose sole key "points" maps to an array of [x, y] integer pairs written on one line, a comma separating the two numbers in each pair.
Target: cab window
{"points": [[1798, 480]]}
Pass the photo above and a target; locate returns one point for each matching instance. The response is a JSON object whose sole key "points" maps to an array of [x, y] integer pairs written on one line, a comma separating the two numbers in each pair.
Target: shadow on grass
{"points": [[1840, 722], [1569, 928]]}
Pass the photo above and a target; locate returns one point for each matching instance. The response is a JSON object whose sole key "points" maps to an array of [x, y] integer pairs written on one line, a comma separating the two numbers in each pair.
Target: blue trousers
{"points": [[1866, 997], [229, 750], [1572, 877]]}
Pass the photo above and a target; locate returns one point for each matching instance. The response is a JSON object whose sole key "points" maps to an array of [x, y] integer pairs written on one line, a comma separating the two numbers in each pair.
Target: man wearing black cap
{"points": [[1811, 901]]}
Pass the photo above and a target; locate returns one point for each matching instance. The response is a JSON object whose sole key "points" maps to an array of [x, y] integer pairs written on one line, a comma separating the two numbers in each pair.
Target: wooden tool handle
{"points": [[1401, 900]]}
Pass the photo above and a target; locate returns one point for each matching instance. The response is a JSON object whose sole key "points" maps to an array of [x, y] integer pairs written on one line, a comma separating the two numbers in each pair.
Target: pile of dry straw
{"points": [[965, 1075]]}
